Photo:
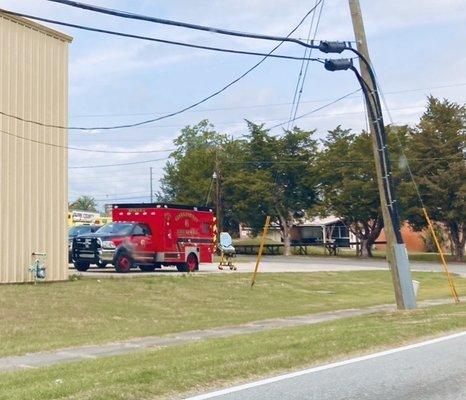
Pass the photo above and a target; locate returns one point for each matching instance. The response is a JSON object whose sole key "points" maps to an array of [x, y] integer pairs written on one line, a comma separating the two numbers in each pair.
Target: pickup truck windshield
{"points": [[116, 229], [79, 230]]}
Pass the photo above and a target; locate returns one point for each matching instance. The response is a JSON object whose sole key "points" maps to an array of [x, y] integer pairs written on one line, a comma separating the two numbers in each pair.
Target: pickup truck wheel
{"points": [[123, 262], [147, 268], [81, 266]]}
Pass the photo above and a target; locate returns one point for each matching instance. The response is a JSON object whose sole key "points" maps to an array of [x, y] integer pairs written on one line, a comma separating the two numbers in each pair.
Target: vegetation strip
{"points": [[180, 371], [90, 312], [111, 349]]}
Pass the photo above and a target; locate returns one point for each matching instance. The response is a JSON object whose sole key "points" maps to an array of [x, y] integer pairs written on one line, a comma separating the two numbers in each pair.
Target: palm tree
{"points": [[84, 203]]}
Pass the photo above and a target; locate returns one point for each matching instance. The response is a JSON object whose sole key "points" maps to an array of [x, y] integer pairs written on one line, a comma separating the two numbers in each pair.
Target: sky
{"points": [[416, 48]]}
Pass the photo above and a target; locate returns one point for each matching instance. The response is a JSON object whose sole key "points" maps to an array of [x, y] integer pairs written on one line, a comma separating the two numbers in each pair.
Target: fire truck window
{"points": [[141, 230], [138, 230]]}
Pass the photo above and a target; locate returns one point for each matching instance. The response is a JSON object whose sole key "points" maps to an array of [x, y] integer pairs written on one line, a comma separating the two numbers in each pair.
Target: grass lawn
{"points": [[214, 363], [91, 311]]}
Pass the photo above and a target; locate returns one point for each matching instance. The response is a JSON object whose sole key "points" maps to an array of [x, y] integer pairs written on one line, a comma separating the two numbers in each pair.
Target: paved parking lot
{"points": [[288, 264]]}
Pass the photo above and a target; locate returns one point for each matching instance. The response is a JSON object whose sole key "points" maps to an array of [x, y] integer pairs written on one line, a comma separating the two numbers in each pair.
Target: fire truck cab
{"points": [[150, 236]]}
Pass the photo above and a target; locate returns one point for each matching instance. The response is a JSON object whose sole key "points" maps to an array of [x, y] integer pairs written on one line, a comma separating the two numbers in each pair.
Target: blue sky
{"points": [[415, 45]]}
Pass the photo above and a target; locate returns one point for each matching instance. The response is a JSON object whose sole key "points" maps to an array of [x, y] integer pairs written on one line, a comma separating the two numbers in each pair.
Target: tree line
{"points": [[294, 175]]}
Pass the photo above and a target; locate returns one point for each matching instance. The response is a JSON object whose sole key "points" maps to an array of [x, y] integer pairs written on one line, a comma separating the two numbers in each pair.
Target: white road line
{"points": [[325, 367]]}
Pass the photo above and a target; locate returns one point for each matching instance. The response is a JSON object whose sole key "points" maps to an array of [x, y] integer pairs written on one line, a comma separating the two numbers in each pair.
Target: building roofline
{"points": [[34, 25]]}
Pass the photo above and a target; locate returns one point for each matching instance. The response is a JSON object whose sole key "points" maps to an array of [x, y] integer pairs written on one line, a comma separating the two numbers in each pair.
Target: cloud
{"points": [[122, 76]]}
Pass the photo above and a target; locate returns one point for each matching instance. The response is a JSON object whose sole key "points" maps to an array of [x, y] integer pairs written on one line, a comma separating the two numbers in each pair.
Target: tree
{"points": [[271, 176], [348, 185], [188, 177], [84, 203], [435, 152]]}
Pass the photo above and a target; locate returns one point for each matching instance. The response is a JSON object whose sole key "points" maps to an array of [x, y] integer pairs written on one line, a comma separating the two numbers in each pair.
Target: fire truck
{"points": [[149, 236]]}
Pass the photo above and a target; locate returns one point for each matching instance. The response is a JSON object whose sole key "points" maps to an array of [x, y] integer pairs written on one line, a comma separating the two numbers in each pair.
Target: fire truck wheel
{"points": [[81, 265], [123, 262], [191, 263], [147, 268]]}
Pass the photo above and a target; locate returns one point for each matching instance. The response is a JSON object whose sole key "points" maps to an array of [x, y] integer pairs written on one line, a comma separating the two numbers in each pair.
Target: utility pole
{"points": [[218, 200], [151, 188], [396, 251]]}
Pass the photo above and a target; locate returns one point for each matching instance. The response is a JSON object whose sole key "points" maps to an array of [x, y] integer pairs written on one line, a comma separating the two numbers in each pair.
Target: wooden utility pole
{"points": [[396, 251], [218, 196]]}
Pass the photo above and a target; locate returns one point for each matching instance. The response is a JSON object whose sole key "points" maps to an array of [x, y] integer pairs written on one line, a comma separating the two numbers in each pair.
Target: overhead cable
{"points": [[83, 149], [210, 29], [265, 104], [118, 164], [303, 80], [183, 109], [152, 39], [302, 65], [316, 109]]}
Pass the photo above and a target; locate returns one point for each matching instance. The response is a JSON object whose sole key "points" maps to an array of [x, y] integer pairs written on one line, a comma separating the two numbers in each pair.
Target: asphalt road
{"points": [[293, 264], [434, 370]]}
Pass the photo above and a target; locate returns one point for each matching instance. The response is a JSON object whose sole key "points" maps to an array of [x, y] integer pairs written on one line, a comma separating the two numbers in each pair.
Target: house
{"points": [[332, 229], [318, 230], [273, 234]]}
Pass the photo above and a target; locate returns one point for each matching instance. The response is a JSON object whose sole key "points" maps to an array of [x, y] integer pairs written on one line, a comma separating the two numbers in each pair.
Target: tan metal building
{"points": [[33, 175]]}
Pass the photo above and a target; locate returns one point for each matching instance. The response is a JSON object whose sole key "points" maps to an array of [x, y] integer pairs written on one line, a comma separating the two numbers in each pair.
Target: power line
{"points": [[210, 29], [302, 65], [304, 116], [242, 162], [144, 151], [108, 195], [267, 104], [152, 39], [307, 67], [83, 149], [140, 180], [316, 109], [124, 198], [336, 162], [400, 144], [185, 108], [118, 164]]}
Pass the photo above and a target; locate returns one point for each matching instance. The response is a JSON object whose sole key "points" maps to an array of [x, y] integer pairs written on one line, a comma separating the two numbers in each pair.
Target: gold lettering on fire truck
{"points": [[185, 214], [187, 232], [138, 210]]}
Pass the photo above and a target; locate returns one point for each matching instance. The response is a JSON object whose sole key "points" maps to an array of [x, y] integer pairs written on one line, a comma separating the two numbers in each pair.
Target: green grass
{"points": [[219, 362], [91, 311]]}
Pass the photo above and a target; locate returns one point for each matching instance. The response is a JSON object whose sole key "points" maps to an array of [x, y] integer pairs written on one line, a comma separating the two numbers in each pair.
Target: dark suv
{"points": [[79, 230]]}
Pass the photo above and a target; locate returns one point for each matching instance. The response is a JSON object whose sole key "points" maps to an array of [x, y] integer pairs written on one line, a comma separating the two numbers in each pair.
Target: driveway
{"points": [[290, 264]]}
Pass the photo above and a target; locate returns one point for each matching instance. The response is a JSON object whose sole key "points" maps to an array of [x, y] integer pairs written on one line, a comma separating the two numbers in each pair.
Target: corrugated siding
{"points": [[33, 176]]}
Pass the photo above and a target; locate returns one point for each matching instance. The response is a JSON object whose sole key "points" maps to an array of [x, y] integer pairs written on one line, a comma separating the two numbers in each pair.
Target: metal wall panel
{"points": [[33, 176]]}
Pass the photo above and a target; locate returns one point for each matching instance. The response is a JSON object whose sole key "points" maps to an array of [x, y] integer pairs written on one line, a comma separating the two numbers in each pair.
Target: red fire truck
{"points": [[149, 236]]}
